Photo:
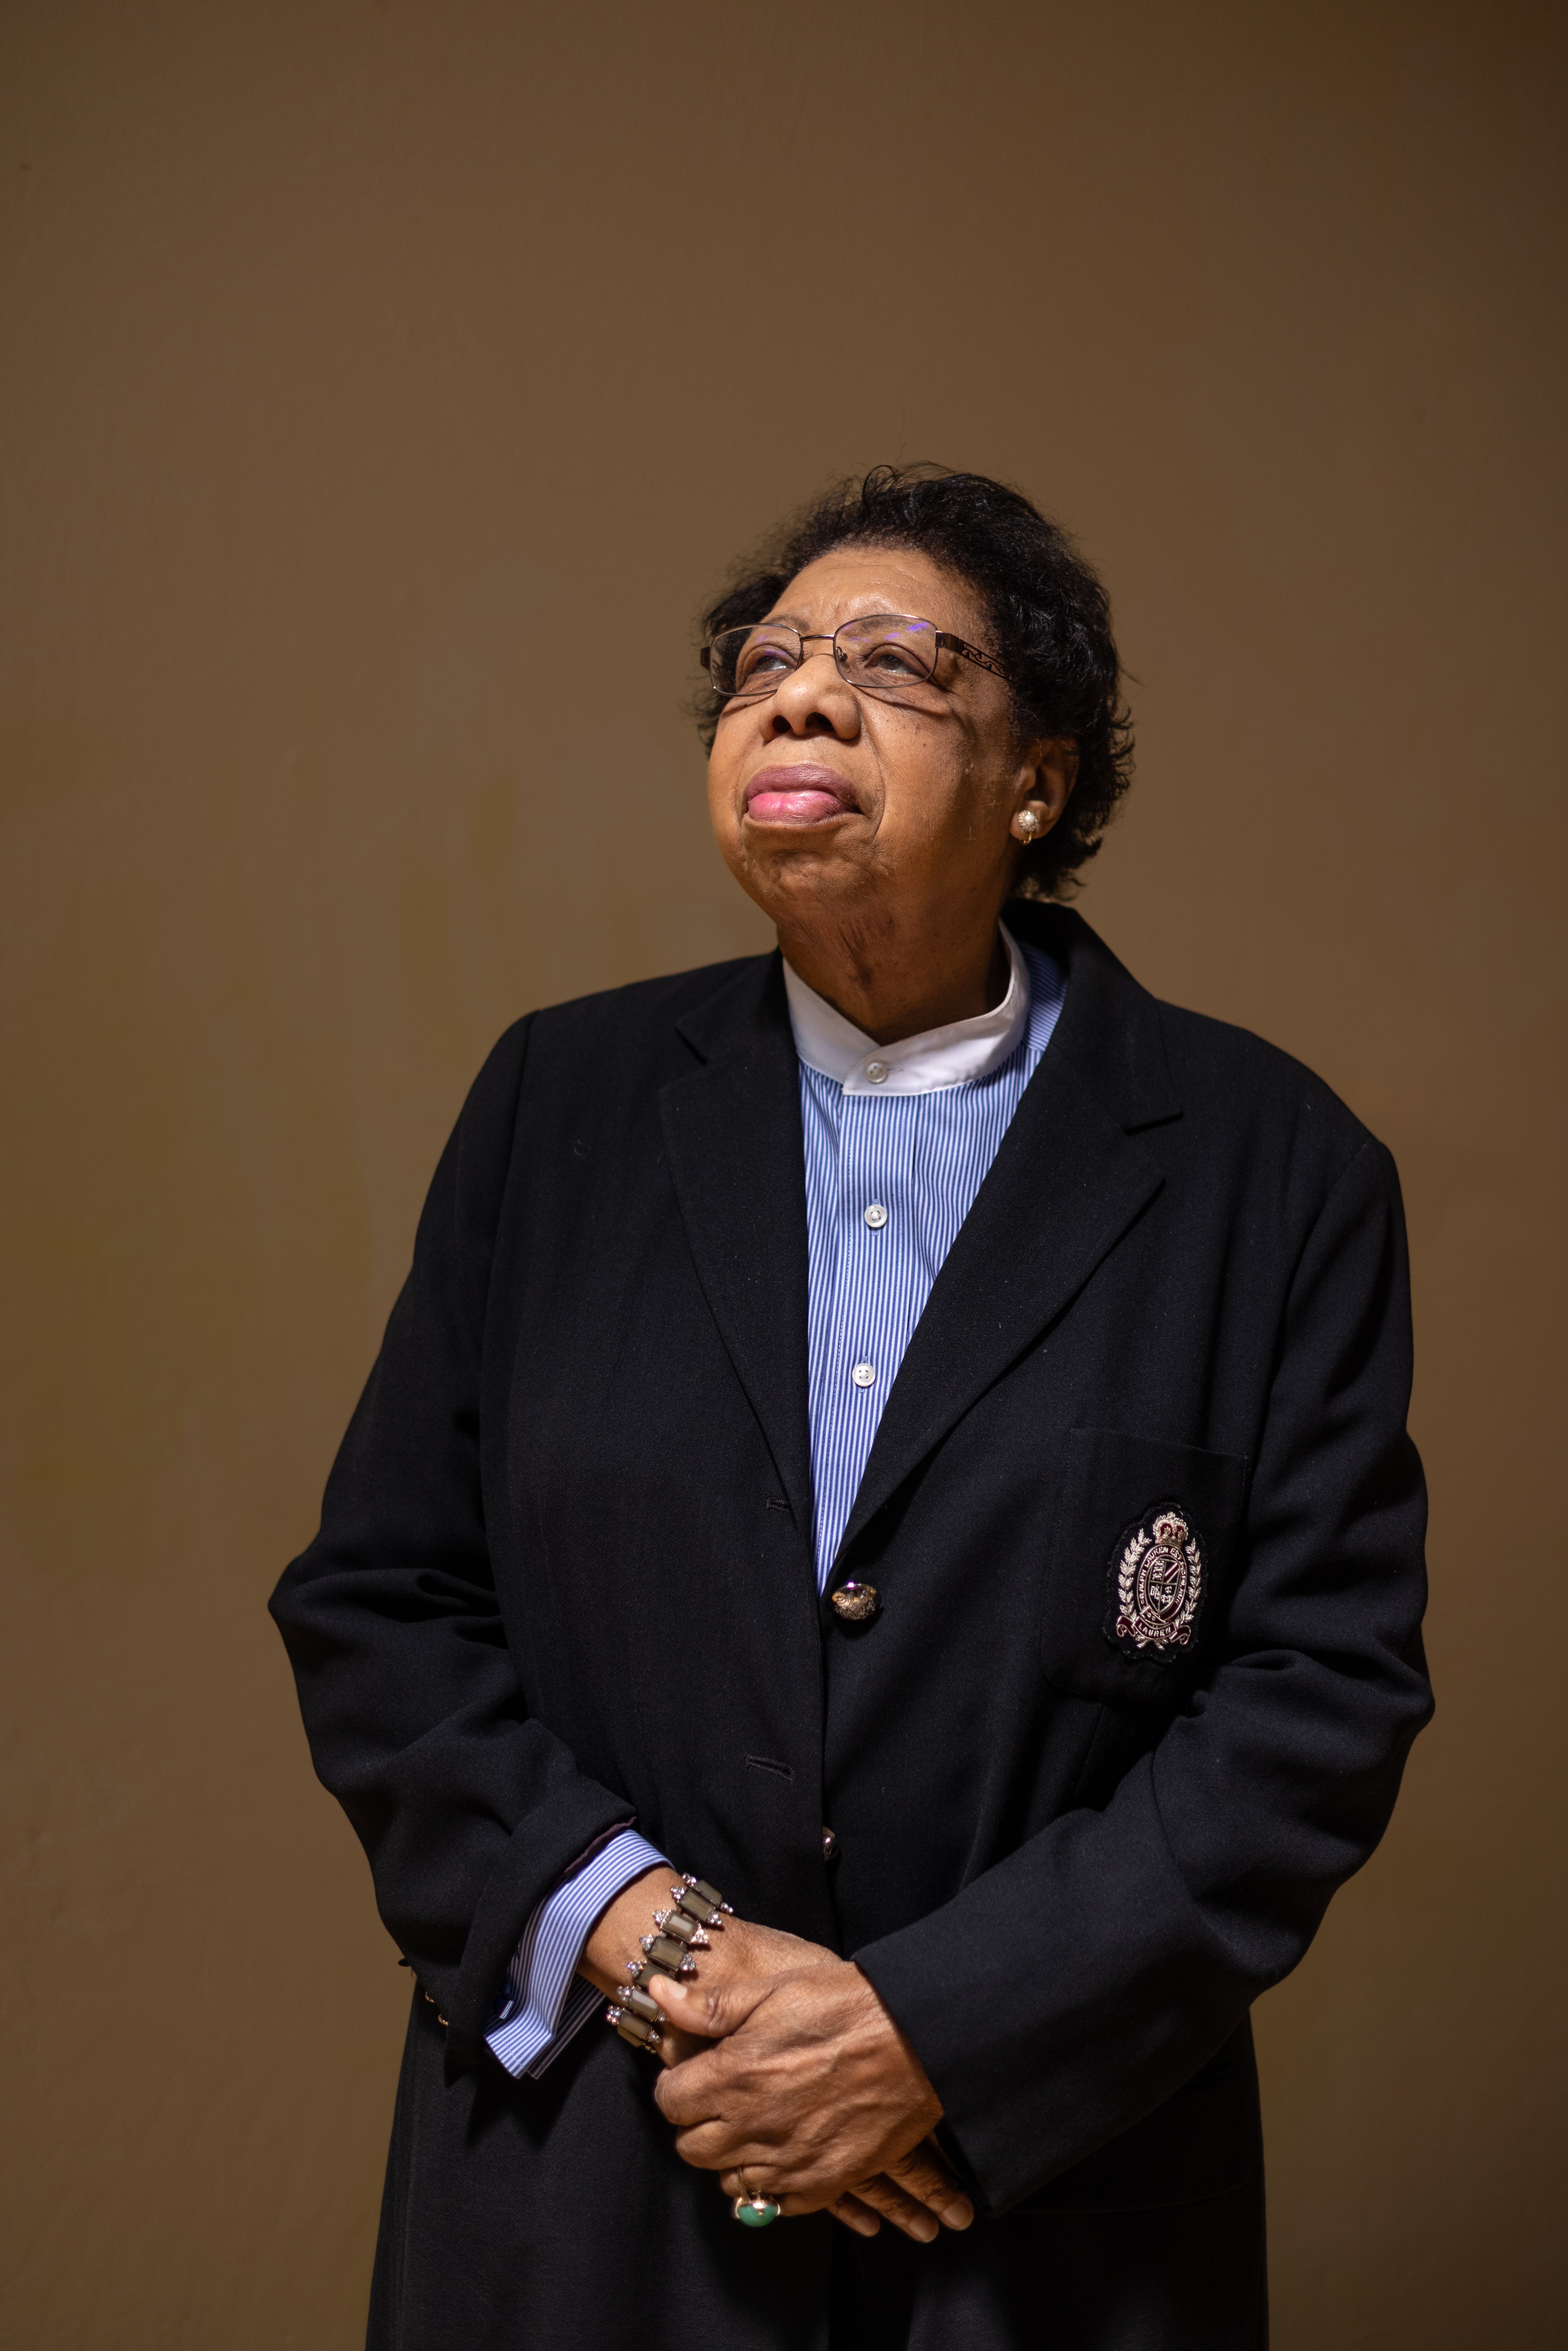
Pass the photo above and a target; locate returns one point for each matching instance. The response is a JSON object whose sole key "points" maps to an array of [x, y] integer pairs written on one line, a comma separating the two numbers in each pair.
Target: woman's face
{"points": [[825, 798]]}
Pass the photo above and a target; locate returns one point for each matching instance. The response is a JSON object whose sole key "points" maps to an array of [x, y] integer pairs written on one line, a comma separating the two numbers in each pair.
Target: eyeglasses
{"points": [[887, 653]]}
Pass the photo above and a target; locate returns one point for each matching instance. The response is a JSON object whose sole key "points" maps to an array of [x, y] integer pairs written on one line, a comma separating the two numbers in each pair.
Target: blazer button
{"points": [[829, 1845], [856, 1603]]}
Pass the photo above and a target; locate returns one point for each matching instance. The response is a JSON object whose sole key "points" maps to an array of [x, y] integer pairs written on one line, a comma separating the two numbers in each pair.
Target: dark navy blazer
{"points": [[565, 1574]]}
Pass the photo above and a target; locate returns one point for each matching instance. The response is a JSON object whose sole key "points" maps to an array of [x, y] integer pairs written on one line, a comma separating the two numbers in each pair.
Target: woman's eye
{"points": [[893, 661], [763, 660]]}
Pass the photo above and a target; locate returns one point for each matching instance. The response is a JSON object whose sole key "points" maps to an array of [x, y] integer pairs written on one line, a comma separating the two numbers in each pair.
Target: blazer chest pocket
{"points": [[1142, 1549]]}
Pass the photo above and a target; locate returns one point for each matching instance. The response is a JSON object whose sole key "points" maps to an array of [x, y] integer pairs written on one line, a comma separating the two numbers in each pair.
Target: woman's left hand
{"points": [[813, 2096]]}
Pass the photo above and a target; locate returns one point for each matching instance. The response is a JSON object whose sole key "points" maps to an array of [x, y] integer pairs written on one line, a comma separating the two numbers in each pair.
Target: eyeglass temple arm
{"points": [[953, 645]]}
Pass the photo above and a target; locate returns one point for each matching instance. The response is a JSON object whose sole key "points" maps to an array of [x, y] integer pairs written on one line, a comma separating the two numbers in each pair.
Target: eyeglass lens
{"points": [[884, 652]]}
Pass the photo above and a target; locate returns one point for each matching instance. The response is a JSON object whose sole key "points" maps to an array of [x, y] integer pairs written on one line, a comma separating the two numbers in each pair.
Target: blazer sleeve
{"points": [[1070, 1989], [469, 1812]]}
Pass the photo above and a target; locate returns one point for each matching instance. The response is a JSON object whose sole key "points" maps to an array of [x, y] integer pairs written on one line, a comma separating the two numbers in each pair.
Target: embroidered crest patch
{"points": [[1159, 1581]]}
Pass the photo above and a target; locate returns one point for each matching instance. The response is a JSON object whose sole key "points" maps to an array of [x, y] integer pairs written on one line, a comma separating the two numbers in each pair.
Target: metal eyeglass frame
{"points": [[943, 639]]}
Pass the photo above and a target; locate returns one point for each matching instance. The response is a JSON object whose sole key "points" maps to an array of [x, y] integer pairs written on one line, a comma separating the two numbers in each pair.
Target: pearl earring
{"points": [[1026, 824]]}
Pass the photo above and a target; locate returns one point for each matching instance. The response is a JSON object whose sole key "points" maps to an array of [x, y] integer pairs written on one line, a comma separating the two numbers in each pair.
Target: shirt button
{"points": [[829, 1845], [877, 1216], [876, 1071], [864, 1376]]}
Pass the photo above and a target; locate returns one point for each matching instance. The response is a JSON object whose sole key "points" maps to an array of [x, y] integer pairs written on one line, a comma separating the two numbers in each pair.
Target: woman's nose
{"points": [[814, 699]]}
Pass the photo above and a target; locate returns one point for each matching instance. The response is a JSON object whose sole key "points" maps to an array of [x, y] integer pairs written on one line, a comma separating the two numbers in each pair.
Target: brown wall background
{"points": [[357, 355]]}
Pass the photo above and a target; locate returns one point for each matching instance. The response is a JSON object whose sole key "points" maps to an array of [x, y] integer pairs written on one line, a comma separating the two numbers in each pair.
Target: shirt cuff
{"points": [[545, 2003]]}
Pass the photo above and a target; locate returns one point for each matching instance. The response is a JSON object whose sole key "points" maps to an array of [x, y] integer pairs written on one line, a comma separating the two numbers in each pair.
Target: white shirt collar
{"points": [[954, 1056]]}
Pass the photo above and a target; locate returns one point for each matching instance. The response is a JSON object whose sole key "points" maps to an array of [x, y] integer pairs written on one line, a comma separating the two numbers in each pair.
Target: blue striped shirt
{"points": [[898, 1140], [546, 2001], [890, 1177]]}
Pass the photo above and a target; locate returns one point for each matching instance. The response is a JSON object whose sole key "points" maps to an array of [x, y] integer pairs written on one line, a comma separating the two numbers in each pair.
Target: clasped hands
{"points": [[786, 2076]]}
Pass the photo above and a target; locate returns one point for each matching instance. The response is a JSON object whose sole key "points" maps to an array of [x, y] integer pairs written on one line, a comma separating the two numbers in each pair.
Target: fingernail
{"points": [[959, 2213], [923, 2229]]}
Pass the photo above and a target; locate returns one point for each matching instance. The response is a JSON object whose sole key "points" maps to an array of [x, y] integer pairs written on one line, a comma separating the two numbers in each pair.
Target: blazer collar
{"points": [[1070, 1180], [1110, 1028], [732, 1129]]}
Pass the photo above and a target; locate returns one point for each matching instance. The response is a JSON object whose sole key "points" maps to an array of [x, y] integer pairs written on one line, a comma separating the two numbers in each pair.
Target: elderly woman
{"points": [[880, 1553]]}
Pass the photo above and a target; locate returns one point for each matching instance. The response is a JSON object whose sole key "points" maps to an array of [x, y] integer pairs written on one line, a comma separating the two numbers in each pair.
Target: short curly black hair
{"points": [[1049, 615]]}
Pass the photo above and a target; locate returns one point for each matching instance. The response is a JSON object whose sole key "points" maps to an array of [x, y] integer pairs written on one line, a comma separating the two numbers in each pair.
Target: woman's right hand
{"points": [[742, 1949], [738, 1948]]}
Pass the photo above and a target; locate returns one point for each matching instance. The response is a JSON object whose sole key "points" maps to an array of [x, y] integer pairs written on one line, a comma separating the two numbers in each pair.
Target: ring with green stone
{"points": [[756, 2211]]}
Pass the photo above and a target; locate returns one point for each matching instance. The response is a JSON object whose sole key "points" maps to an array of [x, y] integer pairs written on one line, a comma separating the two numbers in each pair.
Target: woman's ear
{"points": [[1048, 773]]}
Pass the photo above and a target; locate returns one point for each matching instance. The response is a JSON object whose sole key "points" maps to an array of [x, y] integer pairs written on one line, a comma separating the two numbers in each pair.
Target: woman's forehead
{"points": [[850, 581]]}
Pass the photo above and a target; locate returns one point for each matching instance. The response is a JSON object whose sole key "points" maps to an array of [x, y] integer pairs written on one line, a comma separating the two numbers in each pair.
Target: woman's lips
{"points": [[805, 794]]}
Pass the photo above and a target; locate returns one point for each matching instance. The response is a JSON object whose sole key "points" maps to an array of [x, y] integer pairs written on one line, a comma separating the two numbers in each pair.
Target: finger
{"points": [[924, 2174], [751, 2181], [856, 2216], [717, 2145], [903, 2211], [709, 2010], [677, 2048], [862, 2208], [758, 2178], [697, 2090]]}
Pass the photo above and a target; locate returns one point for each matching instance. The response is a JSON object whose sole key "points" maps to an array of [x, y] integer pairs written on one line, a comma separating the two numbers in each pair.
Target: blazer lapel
{"points": [[732, 1132], [1069, 1180]]}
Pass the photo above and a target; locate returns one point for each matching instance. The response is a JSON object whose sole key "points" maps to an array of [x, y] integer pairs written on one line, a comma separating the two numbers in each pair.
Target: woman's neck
{"points": [[894, 984]]}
